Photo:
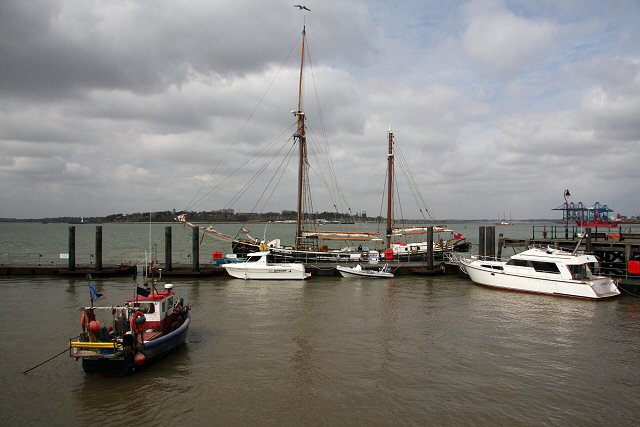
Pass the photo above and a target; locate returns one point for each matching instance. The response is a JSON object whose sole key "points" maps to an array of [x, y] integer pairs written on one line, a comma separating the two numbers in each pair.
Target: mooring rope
{"points": [[49, 359]]}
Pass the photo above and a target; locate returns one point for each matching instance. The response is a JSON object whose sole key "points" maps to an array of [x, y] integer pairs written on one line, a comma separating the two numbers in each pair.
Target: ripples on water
{"points": [[410, 351]]}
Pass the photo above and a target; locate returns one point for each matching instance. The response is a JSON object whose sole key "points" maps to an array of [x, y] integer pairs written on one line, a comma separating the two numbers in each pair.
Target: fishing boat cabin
{"points": [[157, 313]]}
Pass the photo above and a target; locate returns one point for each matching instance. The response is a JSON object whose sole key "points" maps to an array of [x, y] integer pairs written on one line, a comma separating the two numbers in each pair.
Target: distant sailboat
{"points": [[504, 221]]}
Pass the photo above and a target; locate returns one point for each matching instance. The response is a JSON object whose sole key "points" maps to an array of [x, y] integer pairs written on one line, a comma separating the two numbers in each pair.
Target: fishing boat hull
{"points": [[488, 273], [124, 362], [370, 274]]}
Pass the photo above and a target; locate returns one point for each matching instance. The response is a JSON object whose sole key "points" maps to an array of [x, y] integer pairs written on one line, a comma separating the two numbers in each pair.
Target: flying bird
{"points": [[301, 7]]}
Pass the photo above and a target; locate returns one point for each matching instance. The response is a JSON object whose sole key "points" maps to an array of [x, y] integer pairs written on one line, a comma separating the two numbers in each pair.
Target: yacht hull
{"points": [[491, 277]]}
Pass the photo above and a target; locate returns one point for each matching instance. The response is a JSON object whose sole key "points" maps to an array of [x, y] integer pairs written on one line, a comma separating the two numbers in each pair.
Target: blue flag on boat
{"points": [[92, 290], [142, 291]]}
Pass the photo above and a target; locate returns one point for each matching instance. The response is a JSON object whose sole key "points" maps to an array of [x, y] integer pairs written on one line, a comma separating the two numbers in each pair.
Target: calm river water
{"points": [[331, 351]]}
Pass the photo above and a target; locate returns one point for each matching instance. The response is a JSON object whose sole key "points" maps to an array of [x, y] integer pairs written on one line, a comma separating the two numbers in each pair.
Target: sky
{"points": [[496, 106]]}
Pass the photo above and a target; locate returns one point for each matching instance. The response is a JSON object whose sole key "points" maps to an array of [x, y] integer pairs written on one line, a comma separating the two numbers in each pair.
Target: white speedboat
{"points": [[358, 271], [548, 271], [257, 267]]}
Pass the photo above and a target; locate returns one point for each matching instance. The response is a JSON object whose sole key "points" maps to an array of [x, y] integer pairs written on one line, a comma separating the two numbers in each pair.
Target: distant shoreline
{"points": [[445, 221]]}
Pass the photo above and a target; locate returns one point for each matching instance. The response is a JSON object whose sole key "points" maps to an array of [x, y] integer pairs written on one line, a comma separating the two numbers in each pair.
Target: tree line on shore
{"points": [[230, 215], [222, 215]]}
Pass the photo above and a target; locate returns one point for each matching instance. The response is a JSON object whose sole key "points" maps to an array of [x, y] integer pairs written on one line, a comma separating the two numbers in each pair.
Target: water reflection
{"points": [[304, 370], [145, 397]]}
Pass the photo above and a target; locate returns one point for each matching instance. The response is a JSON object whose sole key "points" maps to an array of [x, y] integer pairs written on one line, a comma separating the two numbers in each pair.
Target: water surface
{"points": [[332, 351]]}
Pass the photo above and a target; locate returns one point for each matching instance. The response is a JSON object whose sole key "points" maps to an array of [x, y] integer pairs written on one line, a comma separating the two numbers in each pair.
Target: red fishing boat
{"points": [[145, 328]]}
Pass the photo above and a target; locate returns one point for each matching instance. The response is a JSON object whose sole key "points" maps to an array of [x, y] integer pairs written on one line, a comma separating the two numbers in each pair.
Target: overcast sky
{"points": [[497, 106]]}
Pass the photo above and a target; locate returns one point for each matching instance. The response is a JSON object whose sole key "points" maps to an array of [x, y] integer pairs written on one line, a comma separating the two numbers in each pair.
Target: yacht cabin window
{"points": [[545, 267], [253, 258], [519, 262]]}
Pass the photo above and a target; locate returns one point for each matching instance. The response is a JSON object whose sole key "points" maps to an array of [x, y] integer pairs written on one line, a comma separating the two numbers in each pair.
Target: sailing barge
{"points": [[306, 247]]}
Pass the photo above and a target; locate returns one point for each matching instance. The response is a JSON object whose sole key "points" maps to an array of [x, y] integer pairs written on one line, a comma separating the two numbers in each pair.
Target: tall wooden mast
{"points": [[390, 190], [302, 146]]}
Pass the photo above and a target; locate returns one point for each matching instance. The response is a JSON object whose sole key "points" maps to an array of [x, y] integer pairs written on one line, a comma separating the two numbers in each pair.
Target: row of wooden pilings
{"points": [[168, 264], [195, 251]]}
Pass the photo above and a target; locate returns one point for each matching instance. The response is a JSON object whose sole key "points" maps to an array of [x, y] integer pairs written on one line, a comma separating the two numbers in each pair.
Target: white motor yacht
{"points": [[543, 270]]}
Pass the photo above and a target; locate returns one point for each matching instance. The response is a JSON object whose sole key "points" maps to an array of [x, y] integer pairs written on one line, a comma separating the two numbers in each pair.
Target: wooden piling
{"points": [[72, 248], [490, 241], [481, 242], [98, 248], [167, 249], [588, 245], [195, 253], [430, 247], [627, 253]]}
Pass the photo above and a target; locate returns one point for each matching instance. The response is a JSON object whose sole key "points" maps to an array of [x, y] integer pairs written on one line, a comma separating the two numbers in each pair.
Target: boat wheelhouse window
{"points": [[253, 258], [147, 307], [545, 267], [519, 262]]}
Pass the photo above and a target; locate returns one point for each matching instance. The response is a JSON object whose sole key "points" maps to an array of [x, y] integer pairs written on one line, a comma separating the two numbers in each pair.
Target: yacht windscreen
{"points": [[581, 271]]}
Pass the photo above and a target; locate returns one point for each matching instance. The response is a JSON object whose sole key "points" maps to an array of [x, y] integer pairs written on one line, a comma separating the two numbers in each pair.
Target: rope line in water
{"points": [[48, 360], [51, 358]]}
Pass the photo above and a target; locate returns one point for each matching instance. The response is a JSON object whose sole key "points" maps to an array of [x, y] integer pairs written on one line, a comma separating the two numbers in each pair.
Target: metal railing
{"points": [[574, 232]]}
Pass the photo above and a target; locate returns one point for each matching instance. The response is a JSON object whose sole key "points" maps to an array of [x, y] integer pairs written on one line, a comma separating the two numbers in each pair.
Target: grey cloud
{"points": [[137, 101]]}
